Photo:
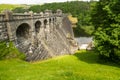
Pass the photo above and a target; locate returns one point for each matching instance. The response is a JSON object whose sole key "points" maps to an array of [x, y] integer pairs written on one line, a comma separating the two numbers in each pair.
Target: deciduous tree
{"points": [[106, 19]]}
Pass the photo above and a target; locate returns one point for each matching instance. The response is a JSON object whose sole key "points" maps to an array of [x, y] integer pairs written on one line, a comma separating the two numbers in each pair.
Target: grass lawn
{"points": [[80, 66]]}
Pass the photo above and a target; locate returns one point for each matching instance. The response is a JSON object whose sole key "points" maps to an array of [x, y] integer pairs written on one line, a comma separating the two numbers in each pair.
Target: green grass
{"points": [[80, 66]]}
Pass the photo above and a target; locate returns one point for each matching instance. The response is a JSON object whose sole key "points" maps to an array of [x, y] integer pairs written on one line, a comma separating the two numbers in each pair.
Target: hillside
{"points": [[11, 6], [80, 66], [7, 6]]}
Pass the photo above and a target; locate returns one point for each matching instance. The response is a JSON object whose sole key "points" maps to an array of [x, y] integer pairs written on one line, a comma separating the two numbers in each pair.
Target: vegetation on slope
{"points": [[8, 51], [80, 66]]}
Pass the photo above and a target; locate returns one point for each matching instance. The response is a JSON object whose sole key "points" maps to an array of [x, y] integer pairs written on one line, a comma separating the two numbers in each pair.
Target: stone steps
{"points": [[39, 53]]}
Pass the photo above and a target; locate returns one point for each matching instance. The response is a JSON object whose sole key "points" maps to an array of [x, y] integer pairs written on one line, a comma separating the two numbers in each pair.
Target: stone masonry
{"points": [[38, 35]]}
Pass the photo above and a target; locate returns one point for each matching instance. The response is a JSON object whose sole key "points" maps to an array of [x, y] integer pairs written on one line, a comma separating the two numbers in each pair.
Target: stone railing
{"points": [[9, 15]]}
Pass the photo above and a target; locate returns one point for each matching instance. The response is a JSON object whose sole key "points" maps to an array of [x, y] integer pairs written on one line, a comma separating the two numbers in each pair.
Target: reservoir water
{"points": [[84, 42]]}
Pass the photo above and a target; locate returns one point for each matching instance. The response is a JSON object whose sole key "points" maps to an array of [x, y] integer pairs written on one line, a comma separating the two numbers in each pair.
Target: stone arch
{"points": [[45, 23], [37, 26], [23, 32]]}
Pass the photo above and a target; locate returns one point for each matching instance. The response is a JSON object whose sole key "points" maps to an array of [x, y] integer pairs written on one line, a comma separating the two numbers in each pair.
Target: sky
{"points": [[32, 1]]}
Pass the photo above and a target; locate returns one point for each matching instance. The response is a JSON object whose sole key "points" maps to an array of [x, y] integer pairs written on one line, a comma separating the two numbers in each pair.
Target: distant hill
{"points": [[11, 6]]}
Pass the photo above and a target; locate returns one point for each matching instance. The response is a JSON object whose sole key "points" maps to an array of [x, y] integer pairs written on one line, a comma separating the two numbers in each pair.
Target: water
{"points": [[84, 40]]}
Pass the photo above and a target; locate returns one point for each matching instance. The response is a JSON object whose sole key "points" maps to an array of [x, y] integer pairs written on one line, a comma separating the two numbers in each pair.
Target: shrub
{"points": [[8, 51]]}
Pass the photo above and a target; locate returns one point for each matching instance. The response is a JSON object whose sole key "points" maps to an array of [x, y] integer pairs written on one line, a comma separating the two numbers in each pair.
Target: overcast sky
{"points": [[32, 1]]}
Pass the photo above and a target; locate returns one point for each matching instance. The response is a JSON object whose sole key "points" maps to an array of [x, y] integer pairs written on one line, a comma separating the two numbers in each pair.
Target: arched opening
{"points": [[53, 23], [45, 23], [22, 32], [50, 20], [37, 26], [53, 19]]}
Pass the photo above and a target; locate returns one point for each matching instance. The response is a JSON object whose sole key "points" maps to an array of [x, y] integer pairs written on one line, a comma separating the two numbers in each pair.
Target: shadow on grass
{"points": [[87, 56], [92, 58]]}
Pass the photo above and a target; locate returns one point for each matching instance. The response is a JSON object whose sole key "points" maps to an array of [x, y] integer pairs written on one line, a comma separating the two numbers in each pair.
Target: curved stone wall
{"points": [[39, 36]]}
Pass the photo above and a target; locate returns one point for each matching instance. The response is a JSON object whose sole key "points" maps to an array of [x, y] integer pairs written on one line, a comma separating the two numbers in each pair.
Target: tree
{"points": [[106, 19], [20, 10], [35, 8]]}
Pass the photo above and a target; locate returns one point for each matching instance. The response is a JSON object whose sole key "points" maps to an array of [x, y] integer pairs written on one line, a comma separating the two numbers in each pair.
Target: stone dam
{"points": [[39, 35]]}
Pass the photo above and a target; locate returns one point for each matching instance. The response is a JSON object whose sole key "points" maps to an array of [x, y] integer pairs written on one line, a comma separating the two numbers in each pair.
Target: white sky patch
{"points": [[33, 1]]}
